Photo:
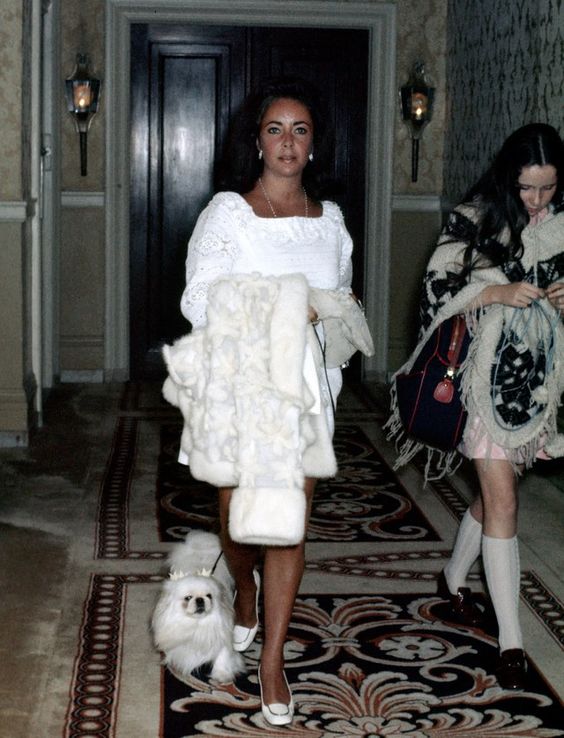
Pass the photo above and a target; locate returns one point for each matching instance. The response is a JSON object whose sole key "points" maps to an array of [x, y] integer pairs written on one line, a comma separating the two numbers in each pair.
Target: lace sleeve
{"points": [[345, 263], [211, 252]]}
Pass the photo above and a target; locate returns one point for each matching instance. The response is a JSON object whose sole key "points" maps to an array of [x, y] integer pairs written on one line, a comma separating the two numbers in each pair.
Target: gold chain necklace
{"points": [[270, 205]]}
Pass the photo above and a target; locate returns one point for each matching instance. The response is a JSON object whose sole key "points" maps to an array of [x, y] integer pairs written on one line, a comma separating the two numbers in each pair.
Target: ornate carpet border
{"points": [[543, 603], [112, 520], [95, 681]]}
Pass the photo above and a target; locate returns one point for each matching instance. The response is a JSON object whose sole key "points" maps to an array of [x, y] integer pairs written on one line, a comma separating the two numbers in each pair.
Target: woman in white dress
{"points": [[271, 221]]}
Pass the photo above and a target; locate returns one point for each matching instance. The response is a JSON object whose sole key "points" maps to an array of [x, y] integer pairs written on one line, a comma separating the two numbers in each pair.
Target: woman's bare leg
{"points": [[241, 560], [283, 571], [499, 493], [282, 575]]}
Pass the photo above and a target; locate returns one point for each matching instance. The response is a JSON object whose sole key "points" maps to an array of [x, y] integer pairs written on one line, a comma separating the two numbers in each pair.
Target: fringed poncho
{"points": [[513, 376]]}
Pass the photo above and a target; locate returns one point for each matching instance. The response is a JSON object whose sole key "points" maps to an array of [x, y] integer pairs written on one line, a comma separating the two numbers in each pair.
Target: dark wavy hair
{"points": [[240, 166], [496, 195]]}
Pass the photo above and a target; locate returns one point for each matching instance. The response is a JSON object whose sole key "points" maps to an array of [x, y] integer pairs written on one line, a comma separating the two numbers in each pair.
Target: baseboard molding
{"points": [[417, 203], [14, 439], [82, 376], [116, 375], [77, 199]]}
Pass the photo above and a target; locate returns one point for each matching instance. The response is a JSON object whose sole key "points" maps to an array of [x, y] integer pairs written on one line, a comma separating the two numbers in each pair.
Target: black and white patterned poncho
{"points": [[513, 377]]}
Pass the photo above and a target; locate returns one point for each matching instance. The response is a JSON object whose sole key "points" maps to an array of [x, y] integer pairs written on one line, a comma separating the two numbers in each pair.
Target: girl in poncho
{"points": [[500, 262]]}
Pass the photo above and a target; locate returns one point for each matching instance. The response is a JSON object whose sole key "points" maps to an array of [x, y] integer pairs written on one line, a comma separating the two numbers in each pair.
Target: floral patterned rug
{"points": [[370, 650], [371, 666]]}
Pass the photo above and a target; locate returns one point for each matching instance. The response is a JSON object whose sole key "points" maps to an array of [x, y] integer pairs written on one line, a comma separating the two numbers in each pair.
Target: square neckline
{"points": [[283, 217]]}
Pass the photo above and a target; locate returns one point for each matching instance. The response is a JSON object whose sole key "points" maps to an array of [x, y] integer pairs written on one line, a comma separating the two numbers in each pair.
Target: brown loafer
{"points": [[511, 672], [463, 609]]}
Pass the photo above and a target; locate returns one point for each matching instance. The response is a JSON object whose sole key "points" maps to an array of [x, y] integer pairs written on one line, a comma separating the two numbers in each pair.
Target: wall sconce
{"points": [[82, 93], [416, 101]]}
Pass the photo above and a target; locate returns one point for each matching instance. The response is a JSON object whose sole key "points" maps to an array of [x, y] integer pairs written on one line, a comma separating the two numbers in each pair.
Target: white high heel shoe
{"points": [[277, 713], [243, 637]]}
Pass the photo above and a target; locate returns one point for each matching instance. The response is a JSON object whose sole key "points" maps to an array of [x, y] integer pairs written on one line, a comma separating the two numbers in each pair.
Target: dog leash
{"points": [[322, 347], [214, 567]]}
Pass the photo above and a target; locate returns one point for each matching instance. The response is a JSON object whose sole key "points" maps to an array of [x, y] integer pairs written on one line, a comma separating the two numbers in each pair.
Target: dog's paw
{"points": [[227, 665], [224, 676]]}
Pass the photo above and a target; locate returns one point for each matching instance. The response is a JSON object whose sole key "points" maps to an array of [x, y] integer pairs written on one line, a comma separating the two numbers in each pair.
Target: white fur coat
{"points": [[249, 422]]}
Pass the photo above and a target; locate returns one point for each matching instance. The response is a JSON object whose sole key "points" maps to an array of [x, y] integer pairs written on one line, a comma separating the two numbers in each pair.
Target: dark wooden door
{"points": [[186, 84]]}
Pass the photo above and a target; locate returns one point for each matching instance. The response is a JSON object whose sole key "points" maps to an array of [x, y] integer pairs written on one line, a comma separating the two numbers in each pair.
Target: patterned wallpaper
{"points": [[504, 69], [421, 36], [551, 72], [10, 99]]}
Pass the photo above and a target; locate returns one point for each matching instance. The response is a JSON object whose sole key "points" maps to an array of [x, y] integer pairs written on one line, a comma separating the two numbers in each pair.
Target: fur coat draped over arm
{"points": [[247, 385]]}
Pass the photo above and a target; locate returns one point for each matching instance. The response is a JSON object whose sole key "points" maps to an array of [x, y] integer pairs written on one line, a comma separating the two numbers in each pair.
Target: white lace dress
{"points": [[230, 239]]}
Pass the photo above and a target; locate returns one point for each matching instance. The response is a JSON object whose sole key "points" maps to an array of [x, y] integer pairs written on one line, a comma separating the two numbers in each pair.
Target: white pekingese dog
{"points": [[192, 622]]}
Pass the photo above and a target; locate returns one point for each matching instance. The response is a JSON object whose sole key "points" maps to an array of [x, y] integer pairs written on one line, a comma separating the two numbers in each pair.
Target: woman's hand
{"points": [[312, 315], [516, 294], [555, 294]]}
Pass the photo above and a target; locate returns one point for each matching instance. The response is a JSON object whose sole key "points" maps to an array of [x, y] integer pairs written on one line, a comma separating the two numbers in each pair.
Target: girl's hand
{"points": [[555, 294], [516, 294]]}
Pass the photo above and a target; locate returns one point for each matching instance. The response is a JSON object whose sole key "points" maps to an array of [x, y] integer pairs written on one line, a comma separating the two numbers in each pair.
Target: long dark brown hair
{"points": [[240, 166], [496, 197]]}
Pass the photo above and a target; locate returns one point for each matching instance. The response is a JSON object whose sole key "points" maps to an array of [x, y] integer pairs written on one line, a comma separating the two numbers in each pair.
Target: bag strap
{"points": [[456, 337]]}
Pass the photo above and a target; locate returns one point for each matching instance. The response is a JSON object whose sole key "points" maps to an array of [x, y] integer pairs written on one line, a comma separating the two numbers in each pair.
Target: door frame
{"points": [[378, 18]]}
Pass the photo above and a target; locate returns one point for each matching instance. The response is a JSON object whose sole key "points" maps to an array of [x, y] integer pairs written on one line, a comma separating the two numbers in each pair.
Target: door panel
{"points": [[187, 82], [184, 133]]}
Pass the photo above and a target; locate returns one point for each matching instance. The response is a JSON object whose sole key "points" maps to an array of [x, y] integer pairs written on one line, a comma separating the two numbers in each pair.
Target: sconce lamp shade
{"points": [[82, 94], [416, 105]]}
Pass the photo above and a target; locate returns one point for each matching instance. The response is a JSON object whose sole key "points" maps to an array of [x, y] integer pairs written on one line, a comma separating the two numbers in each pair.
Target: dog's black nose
{"points": [[200, 604]]}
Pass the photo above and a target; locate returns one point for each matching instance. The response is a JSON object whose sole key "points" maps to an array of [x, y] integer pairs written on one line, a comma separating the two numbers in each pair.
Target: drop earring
{"points": [[260, 153], [310, 157]]}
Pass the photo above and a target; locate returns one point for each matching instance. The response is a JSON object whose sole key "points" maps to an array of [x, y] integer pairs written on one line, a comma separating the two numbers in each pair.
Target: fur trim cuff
{"points": [[272, 516]]}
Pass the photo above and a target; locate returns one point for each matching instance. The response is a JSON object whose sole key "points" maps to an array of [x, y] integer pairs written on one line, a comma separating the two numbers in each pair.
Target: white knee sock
{"points": [[503, 572], [465, 552]]}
